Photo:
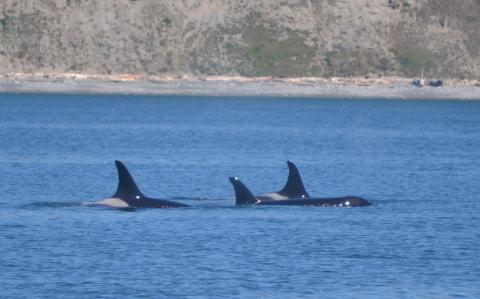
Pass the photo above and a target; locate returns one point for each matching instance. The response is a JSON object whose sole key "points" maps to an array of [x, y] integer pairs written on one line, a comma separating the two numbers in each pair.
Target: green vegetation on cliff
{"points": [[242, 37]]}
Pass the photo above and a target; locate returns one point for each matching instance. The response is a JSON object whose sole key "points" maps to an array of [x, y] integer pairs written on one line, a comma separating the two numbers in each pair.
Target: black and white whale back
{"points": [[128, 195], [127, 188], [243, 196], [293, 188]]}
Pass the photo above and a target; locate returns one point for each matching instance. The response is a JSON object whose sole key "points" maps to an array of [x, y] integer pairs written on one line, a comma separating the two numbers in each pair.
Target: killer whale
{"points": [[243, 196], [129, 196], [293, 188]]}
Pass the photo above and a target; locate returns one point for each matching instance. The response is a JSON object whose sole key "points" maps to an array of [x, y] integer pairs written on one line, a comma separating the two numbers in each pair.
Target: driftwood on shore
{"points": [[353, 81], [385, 87]]}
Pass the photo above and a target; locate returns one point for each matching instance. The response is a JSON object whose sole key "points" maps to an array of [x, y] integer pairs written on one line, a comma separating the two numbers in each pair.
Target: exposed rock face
{"points": [[242, 37]]}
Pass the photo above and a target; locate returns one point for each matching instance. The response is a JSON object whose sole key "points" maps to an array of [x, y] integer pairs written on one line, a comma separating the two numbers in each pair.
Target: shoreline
{"points": [[331, 88]]}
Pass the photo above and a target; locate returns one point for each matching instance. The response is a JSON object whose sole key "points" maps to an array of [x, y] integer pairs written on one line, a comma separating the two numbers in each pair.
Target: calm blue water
{"points": [[417, 161]]}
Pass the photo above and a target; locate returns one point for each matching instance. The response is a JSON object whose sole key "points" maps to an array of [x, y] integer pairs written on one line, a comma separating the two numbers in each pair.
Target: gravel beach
{"points": [[361, 88]]}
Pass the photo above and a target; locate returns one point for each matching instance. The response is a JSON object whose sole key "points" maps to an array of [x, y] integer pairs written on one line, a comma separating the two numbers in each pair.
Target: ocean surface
{"points": [[418, 162]]}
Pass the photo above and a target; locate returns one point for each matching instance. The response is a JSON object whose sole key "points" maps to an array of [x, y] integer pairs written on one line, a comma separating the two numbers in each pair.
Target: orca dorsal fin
{"points": [[242, 194], [126, 185], [294, 186]]}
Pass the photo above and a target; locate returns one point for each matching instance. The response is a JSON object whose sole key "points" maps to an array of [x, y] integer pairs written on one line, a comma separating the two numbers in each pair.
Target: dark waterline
{"points": [[418, 162]]}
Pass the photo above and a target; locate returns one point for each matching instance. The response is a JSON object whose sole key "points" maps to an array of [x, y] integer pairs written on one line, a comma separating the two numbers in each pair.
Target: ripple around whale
{"points": [[55, 205], [189, 198], [95, 204]]}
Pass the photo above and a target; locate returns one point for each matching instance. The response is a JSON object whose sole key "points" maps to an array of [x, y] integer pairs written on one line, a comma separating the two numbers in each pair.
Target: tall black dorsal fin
{"points": [[294, 186], [126, 184], [242, 194]]}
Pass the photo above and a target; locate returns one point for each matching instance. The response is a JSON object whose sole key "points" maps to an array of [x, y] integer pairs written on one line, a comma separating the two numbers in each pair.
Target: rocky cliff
{"points": [[242, 37]]}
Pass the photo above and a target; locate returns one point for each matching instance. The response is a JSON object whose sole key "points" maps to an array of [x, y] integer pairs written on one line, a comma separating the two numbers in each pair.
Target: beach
{"points": [[138, 84]]}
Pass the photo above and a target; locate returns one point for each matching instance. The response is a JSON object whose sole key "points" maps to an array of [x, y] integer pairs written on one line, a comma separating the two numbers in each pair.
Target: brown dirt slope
{"points": [[242, 37]]}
